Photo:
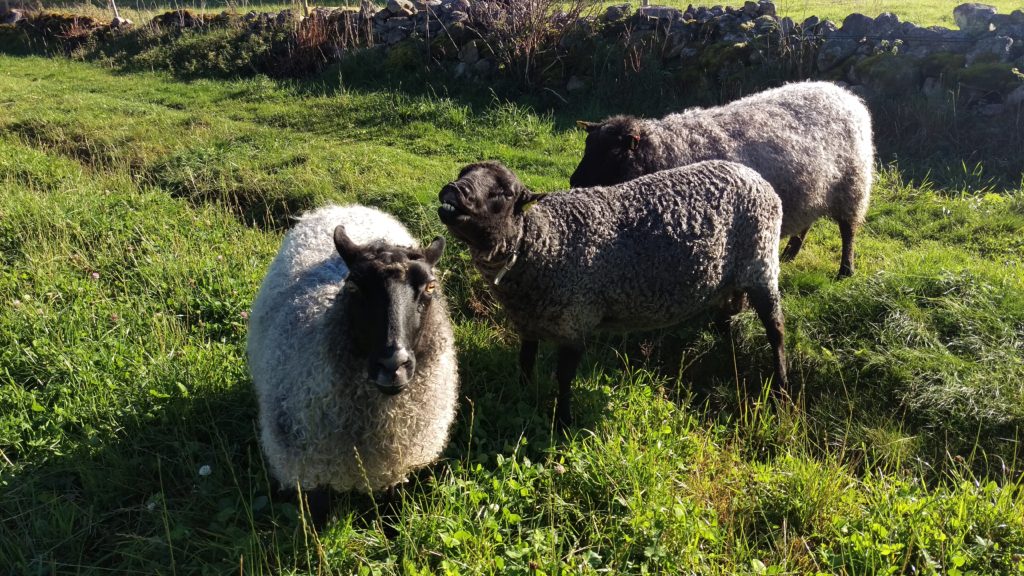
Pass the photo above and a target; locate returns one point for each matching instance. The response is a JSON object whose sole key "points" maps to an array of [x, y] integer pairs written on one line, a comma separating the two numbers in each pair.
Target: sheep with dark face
{"points": [[352, 355], [811, 141], [640, 255]]}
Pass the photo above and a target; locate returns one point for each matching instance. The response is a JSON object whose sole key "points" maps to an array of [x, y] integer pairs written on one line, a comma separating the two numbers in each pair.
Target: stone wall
{"points": [[880, 57]]}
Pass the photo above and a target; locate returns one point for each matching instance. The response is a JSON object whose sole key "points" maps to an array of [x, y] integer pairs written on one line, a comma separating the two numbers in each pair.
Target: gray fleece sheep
{"points": [[810, 140], [351, 352], [640, 255]]}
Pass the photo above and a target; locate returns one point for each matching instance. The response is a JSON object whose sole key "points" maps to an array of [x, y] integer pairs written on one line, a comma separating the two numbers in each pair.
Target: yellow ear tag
{"points": [[430, 288]]}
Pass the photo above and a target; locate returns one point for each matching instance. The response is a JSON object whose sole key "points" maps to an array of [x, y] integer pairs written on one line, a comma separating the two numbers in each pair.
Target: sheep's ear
{"points": [[346, 247], [588, 126], [434, 250], [526, 200], [631, 140]]}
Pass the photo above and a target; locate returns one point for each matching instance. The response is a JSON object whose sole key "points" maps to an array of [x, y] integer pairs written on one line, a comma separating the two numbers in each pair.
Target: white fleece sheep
{"points": [[810, 140], [322, 421]]}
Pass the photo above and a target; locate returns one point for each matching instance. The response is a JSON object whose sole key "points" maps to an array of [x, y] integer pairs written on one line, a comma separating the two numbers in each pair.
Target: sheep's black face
{"points": [[609, 156], [478, 208], [390, 289]]}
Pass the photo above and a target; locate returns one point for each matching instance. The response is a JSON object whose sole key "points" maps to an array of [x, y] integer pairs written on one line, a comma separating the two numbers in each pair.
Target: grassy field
{"points": [[921, 12], [138, 214]]}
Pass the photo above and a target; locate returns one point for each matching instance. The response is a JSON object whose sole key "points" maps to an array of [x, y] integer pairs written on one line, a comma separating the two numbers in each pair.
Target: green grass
{"points": [[920, 12], [138, 214], [143, 11]]}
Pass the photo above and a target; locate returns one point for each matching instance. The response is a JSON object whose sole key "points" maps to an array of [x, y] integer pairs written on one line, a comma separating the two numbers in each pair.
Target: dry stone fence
{"points": [[553, 45]]}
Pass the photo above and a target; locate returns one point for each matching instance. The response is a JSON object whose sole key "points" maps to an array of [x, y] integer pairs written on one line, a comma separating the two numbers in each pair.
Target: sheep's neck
{"points": [[497, 262]]}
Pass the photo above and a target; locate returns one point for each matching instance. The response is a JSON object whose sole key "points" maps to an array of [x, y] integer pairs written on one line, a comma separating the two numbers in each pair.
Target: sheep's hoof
{"points": [[844, 272]]}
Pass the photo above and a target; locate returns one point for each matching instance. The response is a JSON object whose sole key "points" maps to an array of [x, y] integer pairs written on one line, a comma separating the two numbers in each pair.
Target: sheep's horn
{"points": [[345, 246]]}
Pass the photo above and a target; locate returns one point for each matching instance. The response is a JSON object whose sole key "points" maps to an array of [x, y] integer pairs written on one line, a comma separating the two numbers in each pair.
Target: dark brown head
{"points": [[390, 290], [610, 154], [480, 208]]}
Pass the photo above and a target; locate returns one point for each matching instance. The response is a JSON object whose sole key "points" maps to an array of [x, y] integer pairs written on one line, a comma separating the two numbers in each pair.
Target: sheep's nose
{"points": [[394, 371], [395, 361]]}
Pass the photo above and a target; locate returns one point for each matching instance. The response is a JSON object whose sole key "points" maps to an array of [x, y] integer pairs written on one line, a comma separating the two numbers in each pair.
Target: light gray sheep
{"points": [[640, 255], [351, 352], [810, 140]]}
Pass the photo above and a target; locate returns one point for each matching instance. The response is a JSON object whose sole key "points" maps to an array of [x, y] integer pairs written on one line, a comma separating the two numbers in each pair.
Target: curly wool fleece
{"points": [[811, 141], [643, 254], [322, 422]]}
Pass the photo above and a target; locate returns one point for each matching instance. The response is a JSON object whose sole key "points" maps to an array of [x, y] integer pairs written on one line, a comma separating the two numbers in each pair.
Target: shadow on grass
{"points": [[184, 484]]}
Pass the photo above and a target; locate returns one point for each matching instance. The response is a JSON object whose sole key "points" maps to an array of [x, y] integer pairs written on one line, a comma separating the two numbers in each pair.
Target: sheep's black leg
{"points": [[796, 242], [847, 230], [568, 360], [527, 360], [767, 303], [390, 509], [318, 504]]}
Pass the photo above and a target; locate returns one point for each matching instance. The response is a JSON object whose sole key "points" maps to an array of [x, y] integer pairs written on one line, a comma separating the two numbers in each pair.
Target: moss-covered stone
{"points": [[724, 54], [989, 78], [13, 40], [889, 75], [942, 65], [406, 56]]}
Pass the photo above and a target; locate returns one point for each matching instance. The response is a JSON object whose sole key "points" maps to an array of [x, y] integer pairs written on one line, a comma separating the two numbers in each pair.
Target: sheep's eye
{"points": [[430, 287], [351, 286]]}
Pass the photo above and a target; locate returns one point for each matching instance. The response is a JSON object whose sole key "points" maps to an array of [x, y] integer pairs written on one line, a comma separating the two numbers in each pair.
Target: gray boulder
{"points": [[991, 48], [921, 42], [428, 5], [659, 13], [1016, 98], [973, 18], [889, 75], [287, 17], [616, 12], [844, 42], [469, 53], [856, 26], [395, 36], [886, 26], [401, 8], [11, 16], [834, 52]]}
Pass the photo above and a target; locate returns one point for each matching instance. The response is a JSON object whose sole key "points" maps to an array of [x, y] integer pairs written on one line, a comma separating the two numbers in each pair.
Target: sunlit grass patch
{"points": [[128, 261]]}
